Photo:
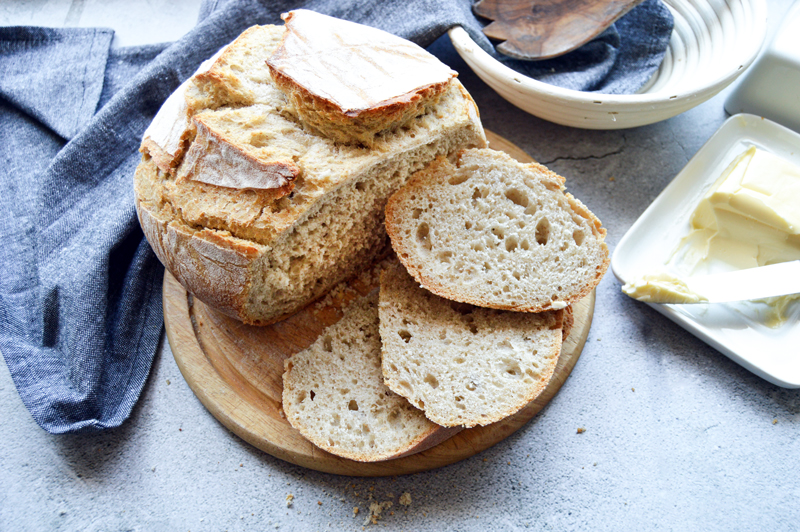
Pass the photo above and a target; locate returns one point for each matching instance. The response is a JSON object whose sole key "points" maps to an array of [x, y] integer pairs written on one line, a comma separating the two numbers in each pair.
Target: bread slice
{"points": [[496, 233], [261, 254], [333, 393], [350, 82], [463, 365]]}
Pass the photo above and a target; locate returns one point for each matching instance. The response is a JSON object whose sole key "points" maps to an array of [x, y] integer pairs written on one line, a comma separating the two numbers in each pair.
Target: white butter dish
{"points": [[738, 330], [771, 87]]}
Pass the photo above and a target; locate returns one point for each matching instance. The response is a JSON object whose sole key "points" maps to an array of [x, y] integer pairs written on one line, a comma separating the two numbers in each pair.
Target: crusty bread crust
{"points": [[214, 160], [426, 186], [319, 102], [213, 268]]}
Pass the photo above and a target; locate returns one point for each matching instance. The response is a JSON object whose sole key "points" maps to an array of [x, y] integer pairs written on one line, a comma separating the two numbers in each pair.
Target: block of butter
{"points": [[750, 217]]}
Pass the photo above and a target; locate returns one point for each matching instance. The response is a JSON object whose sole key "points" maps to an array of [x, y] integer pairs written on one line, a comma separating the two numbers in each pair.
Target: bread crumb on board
{"points": [[581, 430], [405, 499], [289, 499]]}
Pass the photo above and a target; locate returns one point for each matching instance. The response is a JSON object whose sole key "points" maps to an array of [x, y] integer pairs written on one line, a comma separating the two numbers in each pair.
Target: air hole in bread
{"points": [[431, 381], [543, 231], [445, 256], [511, 243], [473, 328], [468, 225], [335, 420], [476, 194], [459, 178], [360, 186], [423, 236], [471, 386], [352, 405], [499, 232], [415, 213], [405, 335], [517, 197], [512, 369], [459, 360], [478, 246], [311, 394], [517, 275], [364, 428], [578, 236], [394, 367]]}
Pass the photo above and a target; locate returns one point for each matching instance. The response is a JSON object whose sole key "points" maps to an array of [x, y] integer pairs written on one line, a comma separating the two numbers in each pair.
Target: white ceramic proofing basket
{"points": [[712, 43]]}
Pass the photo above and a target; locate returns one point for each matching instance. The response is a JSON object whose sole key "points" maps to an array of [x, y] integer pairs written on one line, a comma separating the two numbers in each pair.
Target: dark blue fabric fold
{"points": [[80, 289]]}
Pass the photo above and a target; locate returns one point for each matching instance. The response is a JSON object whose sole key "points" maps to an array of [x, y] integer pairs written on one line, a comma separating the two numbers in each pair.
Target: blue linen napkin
{"points": [[80, 289]]}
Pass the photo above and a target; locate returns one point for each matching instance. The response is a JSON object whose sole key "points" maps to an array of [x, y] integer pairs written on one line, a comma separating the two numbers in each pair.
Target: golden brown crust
{"points": [[348, 108], [213, 267], [216, 160]]}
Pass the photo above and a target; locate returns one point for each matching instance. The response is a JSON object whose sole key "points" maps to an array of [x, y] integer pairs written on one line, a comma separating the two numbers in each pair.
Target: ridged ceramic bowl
{"points": [[712, 43]]}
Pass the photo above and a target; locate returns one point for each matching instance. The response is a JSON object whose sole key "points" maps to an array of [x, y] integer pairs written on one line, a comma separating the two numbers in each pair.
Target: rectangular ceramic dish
{"points": [[738, 330]]}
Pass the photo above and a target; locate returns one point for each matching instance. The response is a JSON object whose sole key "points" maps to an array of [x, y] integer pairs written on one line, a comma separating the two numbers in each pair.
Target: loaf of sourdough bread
{"points": [[463, 365], [493, 232], [333, 393], [257, 214]]}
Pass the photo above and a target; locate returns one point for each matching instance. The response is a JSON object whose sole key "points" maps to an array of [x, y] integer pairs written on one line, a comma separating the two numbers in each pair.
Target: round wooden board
{"points": [[236, 371]]}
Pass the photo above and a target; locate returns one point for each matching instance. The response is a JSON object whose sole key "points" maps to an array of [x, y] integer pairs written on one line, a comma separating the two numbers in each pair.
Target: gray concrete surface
{"points": [[678, 437]]}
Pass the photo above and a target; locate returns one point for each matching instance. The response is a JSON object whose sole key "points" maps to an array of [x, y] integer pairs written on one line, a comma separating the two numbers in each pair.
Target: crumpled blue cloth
{"points": [[80, 288]]}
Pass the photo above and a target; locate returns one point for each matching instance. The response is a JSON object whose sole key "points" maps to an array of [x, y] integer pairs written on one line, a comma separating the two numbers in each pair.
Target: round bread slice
{"points": [[333, 393], [496, 233], [463, 365]]}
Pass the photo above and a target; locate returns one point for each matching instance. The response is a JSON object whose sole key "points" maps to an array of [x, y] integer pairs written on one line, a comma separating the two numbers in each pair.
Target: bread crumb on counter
{"points": [[289, 499], [581, 430], [375, 511], [405, 499]]}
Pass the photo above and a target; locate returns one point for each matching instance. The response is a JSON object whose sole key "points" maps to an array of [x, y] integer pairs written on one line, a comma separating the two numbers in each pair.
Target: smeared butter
{"points": [[750, 217], [661, 288]]}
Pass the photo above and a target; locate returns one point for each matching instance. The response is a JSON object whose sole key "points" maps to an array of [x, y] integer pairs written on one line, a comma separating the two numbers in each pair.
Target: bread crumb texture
{"points": [[258, 215], [333, 392], [493, 232], [463, 365]]}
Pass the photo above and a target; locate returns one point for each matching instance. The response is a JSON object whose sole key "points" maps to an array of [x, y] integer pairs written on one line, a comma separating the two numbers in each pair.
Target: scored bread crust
{"points": [[431, 253], [463, 365], [333, 393], [348, 107]]}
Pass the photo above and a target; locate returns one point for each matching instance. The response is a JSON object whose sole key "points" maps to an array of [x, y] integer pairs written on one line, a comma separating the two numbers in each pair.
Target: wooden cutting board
{"points": [[236, 371]]}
